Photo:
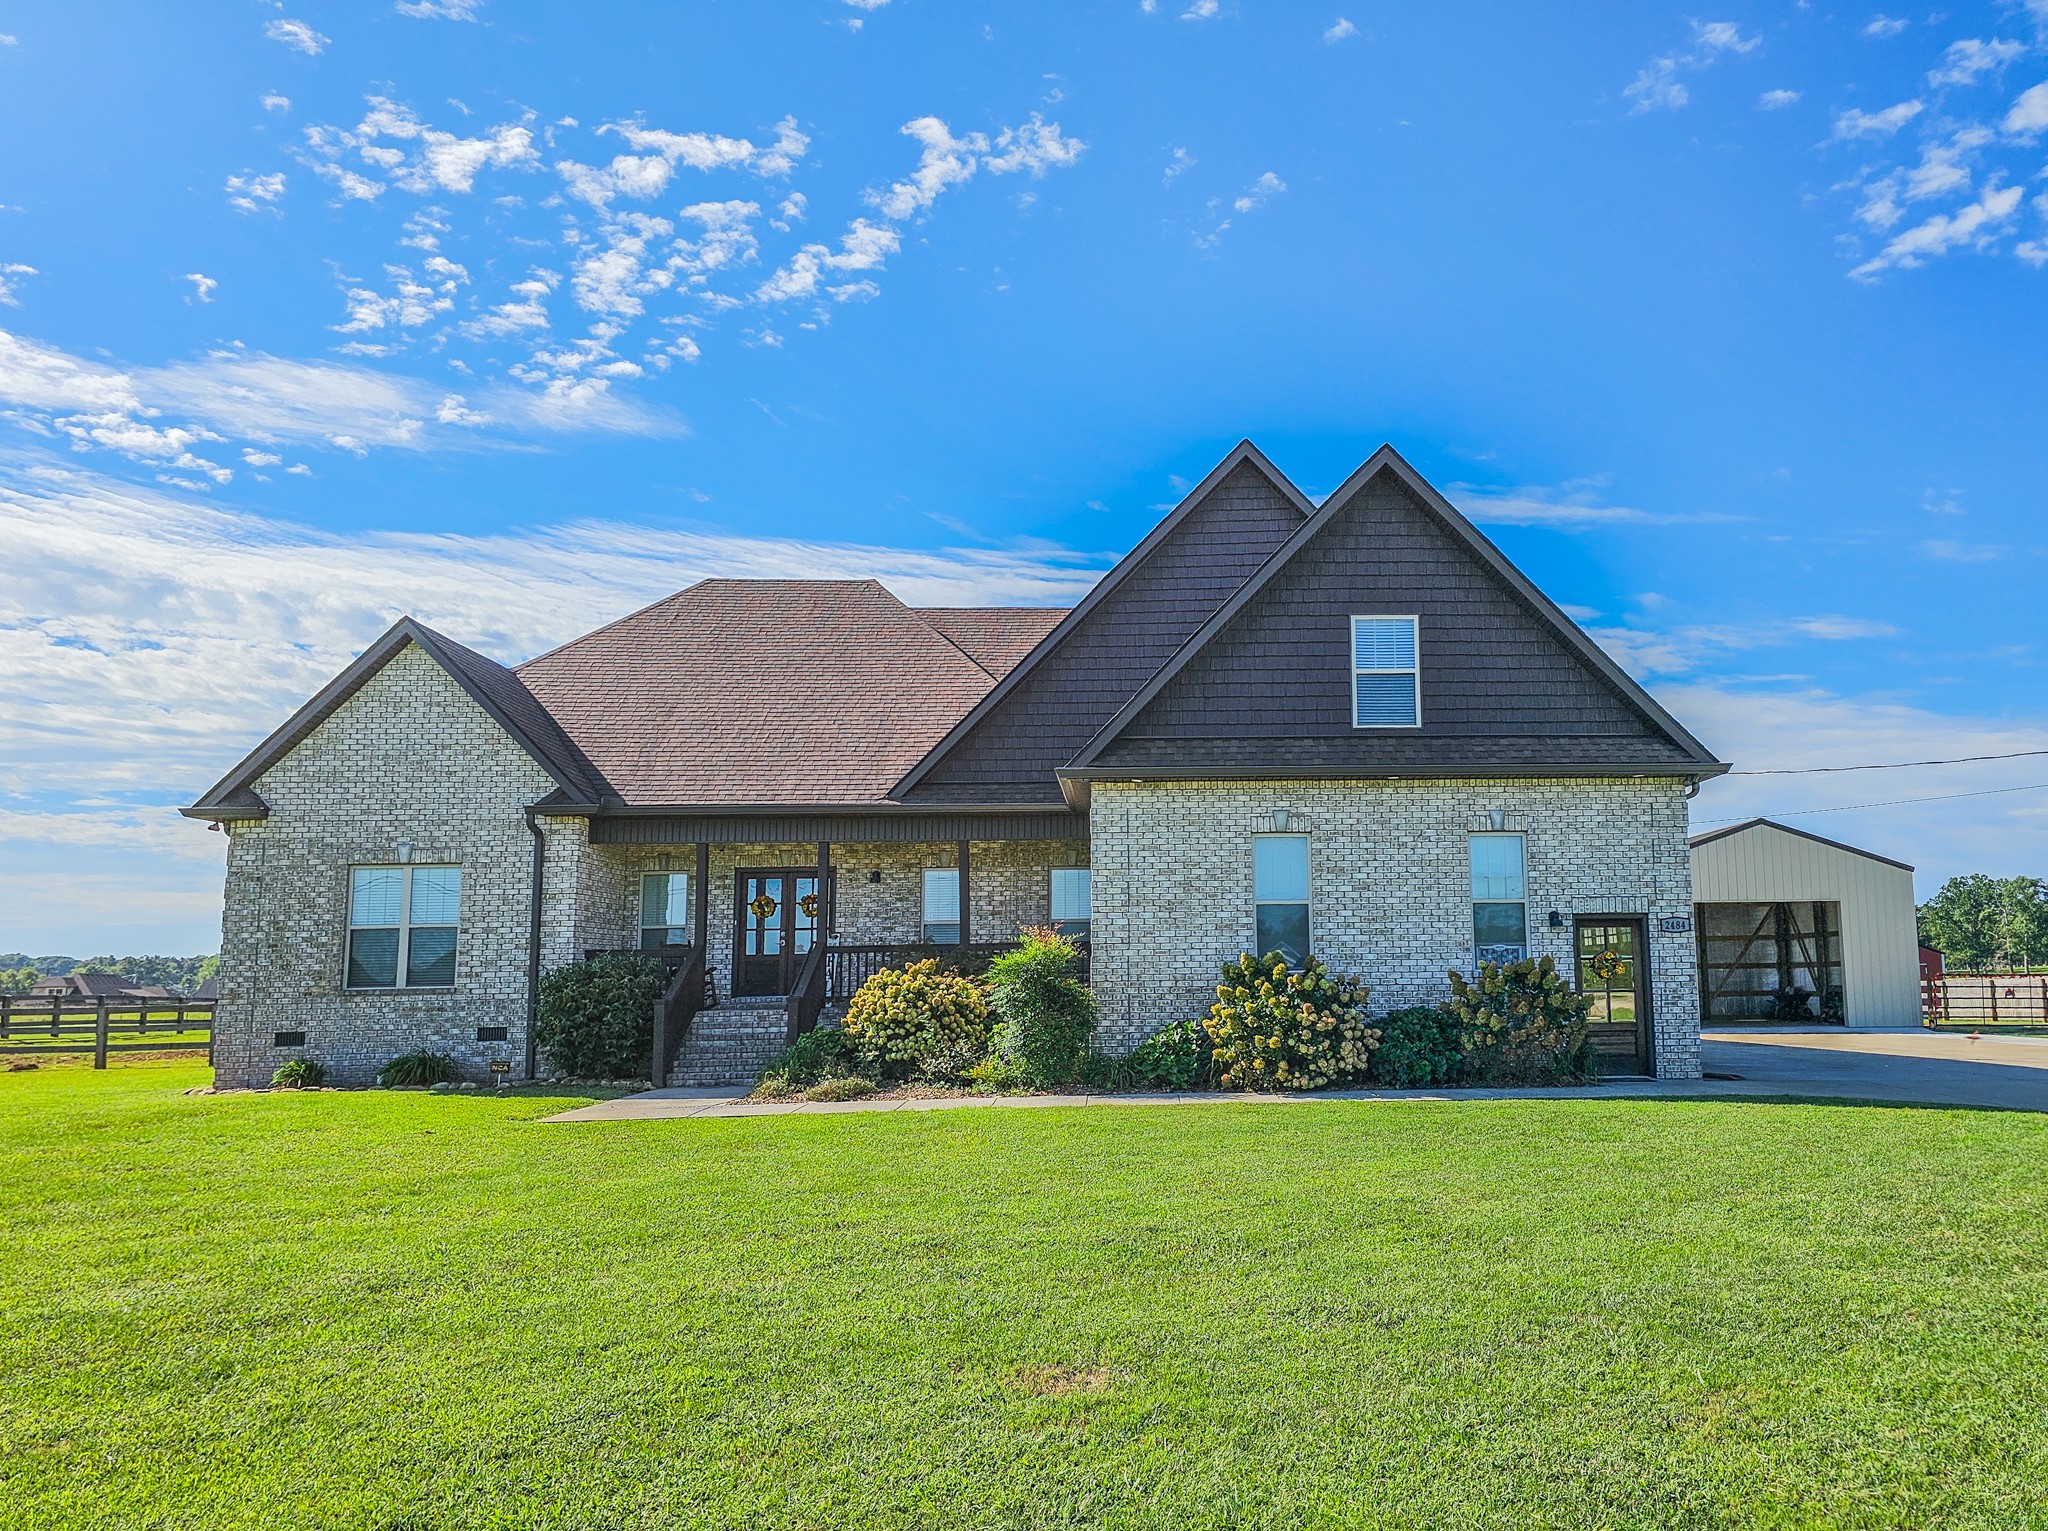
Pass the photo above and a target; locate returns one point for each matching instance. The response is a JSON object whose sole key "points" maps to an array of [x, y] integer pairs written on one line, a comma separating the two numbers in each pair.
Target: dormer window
{"points": [[1386, 679]]}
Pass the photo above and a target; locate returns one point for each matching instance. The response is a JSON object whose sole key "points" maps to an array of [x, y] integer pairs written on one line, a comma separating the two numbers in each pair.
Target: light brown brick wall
{"points": [[1390, 886], [408, 757]]}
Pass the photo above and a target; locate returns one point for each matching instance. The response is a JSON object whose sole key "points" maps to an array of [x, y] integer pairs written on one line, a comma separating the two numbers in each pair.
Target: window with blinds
{"points": [[942, 905], [402, 926], [1386, 676]]}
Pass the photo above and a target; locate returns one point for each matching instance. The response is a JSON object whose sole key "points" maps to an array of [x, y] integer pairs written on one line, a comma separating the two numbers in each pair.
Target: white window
{"points": [[402, 925], [1280, 896], [1386, 678], [1500, 910], [1070, 886], [942, 905], [664, 910]]}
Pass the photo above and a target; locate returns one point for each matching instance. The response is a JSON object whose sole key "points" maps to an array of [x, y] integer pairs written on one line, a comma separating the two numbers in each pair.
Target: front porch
{"points": [[763, 938]]}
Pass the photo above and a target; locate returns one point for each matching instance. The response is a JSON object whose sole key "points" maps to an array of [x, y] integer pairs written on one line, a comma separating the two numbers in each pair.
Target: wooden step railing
{"points": [[678, 1006]]}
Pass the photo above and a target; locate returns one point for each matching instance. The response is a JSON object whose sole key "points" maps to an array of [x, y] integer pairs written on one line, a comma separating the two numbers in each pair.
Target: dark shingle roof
{"points": [[995, 637], [770, 691]]}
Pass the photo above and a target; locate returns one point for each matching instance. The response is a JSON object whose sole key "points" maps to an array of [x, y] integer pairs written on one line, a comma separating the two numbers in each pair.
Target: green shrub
{"points": [[1179, 1058], [1275, 1029], [1522, 1025], [1047, 1015], [998, 1072], [416, 1068], [903, 1017], [1420, 1047], [849, 1087], [812, 1058], [299, 1074], [1112, 1076], [597, 1016]]}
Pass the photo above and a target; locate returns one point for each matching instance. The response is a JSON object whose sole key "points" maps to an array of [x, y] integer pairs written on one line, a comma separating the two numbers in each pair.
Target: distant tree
{"points": [[18, 980], [1980, 922]]}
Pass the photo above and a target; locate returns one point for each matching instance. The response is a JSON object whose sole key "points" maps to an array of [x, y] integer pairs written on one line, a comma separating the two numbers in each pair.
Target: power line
{"points": [[1895, 802], [1894, 765]]}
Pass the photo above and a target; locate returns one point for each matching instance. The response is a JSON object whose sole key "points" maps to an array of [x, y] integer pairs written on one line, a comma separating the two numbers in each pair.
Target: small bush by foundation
{"points": [[902, 1018], [597, 1016], [299, 1074], [414, 1069], [1421, 1047]]}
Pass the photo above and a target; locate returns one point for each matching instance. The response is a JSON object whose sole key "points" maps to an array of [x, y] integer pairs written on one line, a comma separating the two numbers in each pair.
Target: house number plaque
{"points": [[1677, 924]]}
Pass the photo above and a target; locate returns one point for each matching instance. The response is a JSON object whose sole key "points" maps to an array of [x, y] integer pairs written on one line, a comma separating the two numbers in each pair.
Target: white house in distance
{"points": [[1778, 910]]}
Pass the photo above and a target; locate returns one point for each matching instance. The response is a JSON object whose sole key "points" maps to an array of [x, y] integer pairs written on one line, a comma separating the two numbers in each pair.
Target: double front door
{"points": [[776, 918], [1608, 958]]}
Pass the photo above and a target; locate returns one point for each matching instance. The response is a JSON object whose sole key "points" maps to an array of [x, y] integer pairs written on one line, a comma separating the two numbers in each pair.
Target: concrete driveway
{"points": [[1937, 1068]]}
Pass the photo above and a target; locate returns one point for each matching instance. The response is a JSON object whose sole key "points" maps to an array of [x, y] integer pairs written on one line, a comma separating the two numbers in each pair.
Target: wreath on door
{"points": [[1609, 965], [809, 904], [764, 907]]}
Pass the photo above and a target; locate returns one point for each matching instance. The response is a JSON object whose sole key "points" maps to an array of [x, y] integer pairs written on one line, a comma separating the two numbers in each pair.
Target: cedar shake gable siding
{"points": [[1503, 690], [740, 692], [1013, 752]]}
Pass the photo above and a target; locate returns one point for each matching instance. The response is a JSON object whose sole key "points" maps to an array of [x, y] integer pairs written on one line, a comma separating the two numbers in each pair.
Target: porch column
{"points": [[702, 911], [966, 917], [826, 902]]}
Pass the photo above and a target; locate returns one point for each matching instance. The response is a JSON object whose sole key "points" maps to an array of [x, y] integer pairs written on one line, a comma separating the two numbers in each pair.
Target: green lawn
{"points": [[411, 1311]]}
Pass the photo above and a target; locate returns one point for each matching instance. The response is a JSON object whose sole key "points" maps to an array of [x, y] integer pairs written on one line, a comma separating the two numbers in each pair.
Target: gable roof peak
{"points": [[1245, 452]]}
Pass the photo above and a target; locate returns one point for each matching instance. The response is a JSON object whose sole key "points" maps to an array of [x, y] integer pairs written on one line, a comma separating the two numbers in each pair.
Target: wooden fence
{"points": [[100, 1026], [1985, 999]]}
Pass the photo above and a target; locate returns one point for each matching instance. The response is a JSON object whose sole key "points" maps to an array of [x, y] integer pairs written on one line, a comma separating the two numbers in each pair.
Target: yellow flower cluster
{"points": [[907, 1015], [1277, 1029]]}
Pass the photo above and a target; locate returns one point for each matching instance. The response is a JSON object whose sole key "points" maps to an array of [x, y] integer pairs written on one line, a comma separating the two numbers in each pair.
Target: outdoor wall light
{"points": [[1556, 920], [874, 877]]}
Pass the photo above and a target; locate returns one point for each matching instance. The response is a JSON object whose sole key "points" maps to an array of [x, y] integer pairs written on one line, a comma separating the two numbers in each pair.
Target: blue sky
{"points": [[1728, 326]]}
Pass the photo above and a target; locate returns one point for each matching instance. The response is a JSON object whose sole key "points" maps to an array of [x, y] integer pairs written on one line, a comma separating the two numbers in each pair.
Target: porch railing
{"points": [[807, 994], [848, 967], [680, 1001]]}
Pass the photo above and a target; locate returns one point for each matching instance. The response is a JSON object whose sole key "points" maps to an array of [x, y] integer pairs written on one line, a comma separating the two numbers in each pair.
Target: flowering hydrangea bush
{"points": [[1523, 1024], [902, 1018], [1276, 1029]]}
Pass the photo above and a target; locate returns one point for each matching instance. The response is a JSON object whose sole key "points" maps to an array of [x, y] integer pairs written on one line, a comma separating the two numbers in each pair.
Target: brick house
{"points": [[1353, 730]]}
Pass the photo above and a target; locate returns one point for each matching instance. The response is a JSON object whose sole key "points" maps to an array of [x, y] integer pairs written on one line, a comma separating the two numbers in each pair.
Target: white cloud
{"points": [[1202, 10], [202, 286], [9, 40], [1657, 87], [1974, 225], [10, 274], [250, 192], [296, 35], [526, 309], [1885, 26], [440, 10], [864, 247], [1181, 162], [943, 161], [276, 103], [272, 400], [2029, 114], [1943, 171], [1340, 29], [1261, 191], [1723, 37], [1971, 58], [1950, 551], [1857, 123], [1571, 508], [1773, 100]]}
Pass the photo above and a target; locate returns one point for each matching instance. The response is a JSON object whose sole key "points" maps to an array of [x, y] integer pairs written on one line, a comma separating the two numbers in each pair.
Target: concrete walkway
{"points": [[1912, 1067]]}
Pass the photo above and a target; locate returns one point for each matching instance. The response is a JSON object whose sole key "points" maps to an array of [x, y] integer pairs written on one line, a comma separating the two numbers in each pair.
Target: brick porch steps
{"points": [[732, 1044]]}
